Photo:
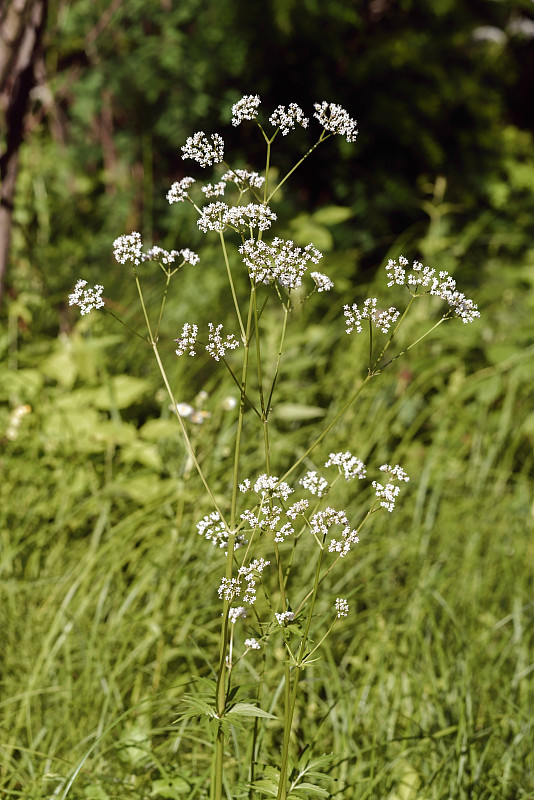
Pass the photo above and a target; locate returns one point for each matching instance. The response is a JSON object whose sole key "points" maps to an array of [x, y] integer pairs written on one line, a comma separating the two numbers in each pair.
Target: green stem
{"points": [[187, 440], [322, 138], [232, 288], [221, 691]]}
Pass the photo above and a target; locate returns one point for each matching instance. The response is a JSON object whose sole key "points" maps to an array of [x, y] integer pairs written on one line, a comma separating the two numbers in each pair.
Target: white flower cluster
{"points": [[199, 148], [179, 190], [297, 508], [86, 299], [342, 607], [246, 108], [251, 575], [335, 119], [187, 341], [382, 319], [243, 178], [214, 189], [323, 282], [229, 588], [252, 644], [167, 257], [237, 612], [280, 261], [388, 494], [322, 521], [267, 486], [285, 617], [218, 216], [286, 120], [216, 346], [212, 528], [314, 484], [439, 284], [349, 465], [128, 248]]}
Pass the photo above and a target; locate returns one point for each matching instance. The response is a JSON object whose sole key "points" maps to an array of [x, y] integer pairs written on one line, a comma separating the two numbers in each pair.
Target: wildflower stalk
{"points": [[232, 287], [281, 265]]}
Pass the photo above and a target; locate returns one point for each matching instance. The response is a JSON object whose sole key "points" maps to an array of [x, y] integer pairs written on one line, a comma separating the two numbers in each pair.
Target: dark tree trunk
{"points": [[21, 27]]}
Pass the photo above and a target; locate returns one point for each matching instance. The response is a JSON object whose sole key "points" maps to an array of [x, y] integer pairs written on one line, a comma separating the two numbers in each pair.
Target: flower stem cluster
{"points": [[280, 261], [86, 298], [439, 284]]}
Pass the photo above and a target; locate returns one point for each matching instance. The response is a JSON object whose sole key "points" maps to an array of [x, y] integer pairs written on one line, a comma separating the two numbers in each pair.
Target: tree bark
{"points": [[21, 27]]}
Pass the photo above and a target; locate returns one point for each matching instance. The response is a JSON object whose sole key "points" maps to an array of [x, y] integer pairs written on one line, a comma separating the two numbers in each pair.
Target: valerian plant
{"points": [[269, 515]]}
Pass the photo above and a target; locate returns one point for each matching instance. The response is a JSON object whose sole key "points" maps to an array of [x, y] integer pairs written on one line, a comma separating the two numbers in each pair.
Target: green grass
{"points": [[109, 613]]}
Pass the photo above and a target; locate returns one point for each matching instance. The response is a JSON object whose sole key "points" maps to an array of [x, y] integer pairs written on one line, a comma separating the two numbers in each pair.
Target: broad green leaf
{"points": [[156, 429], [121, 392], [249, 710], [170, 788], [23, 384], [298, 411], [332, 215]]}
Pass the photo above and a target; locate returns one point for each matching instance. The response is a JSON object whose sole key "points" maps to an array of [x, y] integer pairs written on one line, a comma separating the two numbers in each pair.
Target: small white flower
{"points": [[285, 120], [243, 179], [166, 257], [229, 588], [200, 149], [386, 494], [396, 272], [385, 319], [349, 465], [179, 190], [189, 257], [216, 346], [323, 282], [86, 299], [269, 486], [395, 472], [285, 617], [237, 612], [280, 261], [214, 189], [314, 484], [297, 508], [246, 108], [335, 119], [252, 644], [128, 248], [229, 403], [251, 518], [184, 409], [382, 319], [212, 217], [188, 339], [342, 607], [285, 531]]}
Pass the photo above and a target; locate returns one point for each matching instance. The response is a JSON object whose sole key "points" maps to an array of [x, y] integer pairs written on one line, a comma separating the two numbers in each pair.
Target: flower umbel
{"points": [[335, 119], [342, 607], [200, 149], [86, 299], [280, 261], [188, 340], [179, 190], [217, 347], [128, 248], [246, 108], [286, 120]]}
